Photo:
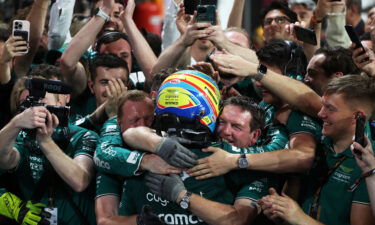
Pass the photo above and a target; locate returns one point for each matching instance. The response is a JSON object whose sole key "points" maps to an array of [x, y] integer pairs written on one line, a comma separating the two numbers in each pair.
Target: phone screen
{"points": [[305, 35], [360, 132]]}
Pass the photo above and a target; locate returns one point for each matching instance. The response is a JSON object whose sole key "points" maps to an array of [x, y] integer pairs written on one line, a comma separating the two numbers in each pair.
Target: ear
{"points": [[254, 135], [153, 95], [337, 74], [91, 86]]}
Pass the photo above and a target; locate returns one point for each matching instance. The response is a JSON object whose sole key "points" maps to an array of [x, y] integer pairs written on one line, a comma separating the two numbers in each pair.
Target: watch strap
{"points": [[102, 14]]}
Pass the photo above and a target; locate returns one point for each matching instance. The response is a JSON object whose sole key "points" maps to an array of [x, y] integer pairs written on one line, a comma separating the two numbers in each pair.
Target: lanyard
{"points": [[358, 181], [314, 209]]}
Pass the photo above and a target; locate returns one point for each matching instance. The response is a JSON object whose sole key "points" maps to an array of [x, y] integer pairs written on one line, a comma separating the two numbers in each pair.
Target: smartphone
{"points": [[206, 13], [355, 39], [21, 28], [305, 35], [359, 137], [190, 6]]}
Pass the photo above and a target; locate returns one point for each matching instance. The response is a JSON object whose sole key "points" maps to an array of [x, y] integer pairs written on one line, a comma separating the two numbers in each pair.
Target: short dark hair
{"points": [[159, 78], [357, 3], [281, 6], [4, 34], [109, 37], [249, 105], [109, 61], [45, 70], [132, 95], [358, 88], [338, 59], [288, 56]]}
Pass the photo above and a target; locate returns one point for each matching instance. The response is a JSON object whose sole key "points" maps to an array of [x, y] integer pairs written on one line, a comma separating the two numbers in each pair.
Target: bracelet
{"points": [[368, 173], [358, 181], [314, 20]]}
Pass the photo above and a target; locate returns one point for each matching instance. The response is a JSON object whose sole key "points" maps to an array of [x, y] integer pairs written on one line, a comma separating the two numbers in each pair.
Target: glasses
{"points": [[278, 20]]}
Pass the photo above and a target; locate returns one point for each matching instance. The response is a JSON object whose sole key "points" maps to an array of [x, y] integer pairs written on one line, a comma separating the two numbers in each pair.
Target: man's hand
{"points": [[114, 90], [182, 19], [44, 132], [367, 160], [107, 6], [31, 118], [155, 164], [175, 154], [195, 31], [323, 7], [234, 64], [217, 36], [219, 163], [148, 217], [167, 187], [129, 11], [26, 213], [14, 46], [360, 59], [207, 69], [282, 208]]}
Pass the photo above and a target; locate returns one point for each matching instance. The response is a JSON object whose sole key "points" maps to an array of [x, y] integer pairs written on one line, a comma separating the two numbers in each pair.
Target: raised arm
{"points": [[30, 118], [293, 92], [13, 47], [61, 14], [142, 50], [172, 55], [77, 172], [236, 15], [72, 70], [37, 18]]}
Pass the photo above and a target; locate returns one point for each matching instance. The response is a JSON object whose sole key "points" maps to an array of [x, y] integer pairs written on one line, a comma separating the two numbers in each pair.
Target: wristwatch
{"points": [[99, 12], [262, 70], [242, 161], [185, 200]]}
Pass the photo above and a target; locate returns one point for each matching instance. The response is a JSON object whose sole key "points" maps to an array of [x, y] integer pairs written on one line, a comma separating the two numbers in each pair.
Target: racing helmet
{"points": [[191, 95]]}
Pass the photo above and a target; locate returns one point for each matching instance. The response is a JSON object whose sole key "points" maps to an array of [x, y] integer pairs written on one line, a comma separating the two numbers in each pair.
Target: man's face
{"points": [[104, 75], [302, 12], [114, 23], [338, 118], [274, 25], [203, 44], [135, 114], [316, 78], [234, 127], [121, 48], [269, 97]]}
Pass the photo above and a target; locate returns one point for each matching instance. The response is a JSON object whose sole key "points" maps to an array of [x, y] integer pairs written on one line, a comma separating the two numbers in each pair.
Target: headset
{"points": [[297, 63]]}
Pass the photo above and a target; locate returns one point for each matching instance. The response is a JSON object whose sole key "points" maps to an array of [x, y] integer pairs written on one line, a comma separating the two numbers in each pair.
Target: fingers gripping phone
{"points": [[360, 132], [355, 39], [206, 13], [21, 28], [305, 35]]}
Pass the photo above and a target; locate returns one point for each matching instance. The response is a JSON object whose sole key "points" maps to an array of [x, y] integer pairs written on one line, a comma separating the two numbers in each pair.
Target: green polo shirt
{"points": [[111, 156], [335, 200], [32, 166]]}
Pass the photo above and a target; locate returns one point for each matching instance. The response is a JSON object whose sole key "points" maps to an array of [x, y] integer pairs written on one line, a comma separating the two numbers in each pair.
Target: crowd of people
{"points": [[104, 123]]}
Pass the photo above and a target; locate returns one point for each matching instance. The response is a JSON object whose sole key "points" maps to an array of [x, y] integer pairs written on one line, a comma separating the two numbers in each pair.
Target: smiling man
{"points": [[274, 18]]}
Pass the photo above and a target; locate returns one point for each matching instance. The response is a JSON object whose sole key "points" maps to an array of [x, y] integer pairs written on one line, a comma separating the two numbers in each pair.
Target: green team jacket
{"points": [[31, 168], [111, 155], [224, 189], [335, 201]]}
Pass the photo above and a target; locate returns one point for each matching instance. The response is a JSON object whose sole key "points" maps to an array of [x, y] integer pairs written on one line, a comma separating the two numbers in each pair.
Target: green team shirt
{"points": [[82, 106], [111, 156], [108, 184], [297, 122], [31, 168], [224, 189], [335, 200]]}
